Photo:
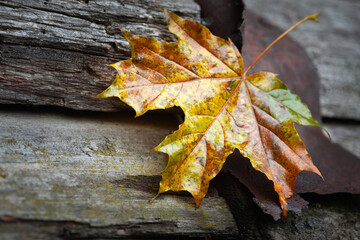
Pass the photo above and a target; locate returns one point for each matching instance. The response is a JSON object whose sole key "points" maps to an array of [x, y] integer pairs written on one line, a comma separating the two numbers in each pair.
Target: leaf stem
{"points": [[310, 17]]}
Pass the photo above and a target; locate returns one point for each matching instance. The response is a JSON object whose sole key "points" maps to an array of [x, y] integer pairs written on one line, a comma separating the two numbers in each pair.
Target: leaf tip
{"points": [[126, 34], [101, 95], [157, 148], [317, 171], [139, 112], [197, 201], [112, 65], [326, 131], [284, 206], [323, 129]]}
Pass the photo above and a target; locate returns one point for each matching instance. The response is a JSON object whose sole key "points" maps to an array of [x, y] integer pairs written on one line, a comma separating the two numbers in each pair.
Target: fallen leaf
{"points": [[224, 108]]}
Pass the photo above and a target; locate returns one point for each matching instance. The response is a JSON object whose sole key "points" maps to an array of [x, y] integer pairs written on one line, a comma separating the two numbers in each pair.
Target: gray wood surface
{"points": [[346, 135], [85, 168], [333, 44], [56, 52]]}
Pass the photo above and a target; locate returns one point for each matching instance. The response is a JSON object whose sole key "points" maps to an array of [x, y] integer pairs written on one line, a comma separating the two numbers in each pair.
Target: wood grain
{"points": [[56, 52], [86, 169]]}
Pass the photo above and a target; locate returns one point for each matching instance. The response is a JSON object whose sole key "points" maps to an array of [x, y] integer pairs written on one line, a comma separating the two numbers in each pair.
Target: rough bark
{"points": [[73, 170], [56, 52]]}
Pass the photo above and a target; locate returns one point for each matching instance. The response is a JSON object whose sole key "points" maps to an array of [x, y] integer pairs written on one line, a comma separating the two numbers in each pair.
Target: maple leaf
{"points": [[224, 108]]}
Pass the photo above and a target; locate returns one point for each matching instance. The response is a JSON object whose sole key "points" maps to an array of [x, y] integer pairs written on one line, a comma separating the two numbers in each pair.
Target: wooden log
{"points": [[94, 174], [56, 52], [346, 135]]}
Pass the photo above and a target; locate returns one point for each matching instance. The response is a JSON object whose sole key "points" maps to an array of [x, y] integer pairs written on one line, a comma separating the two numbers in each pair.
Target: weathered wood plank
{"points": [[332, 44], [97, 169], [346, 134], [56, 52]]}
